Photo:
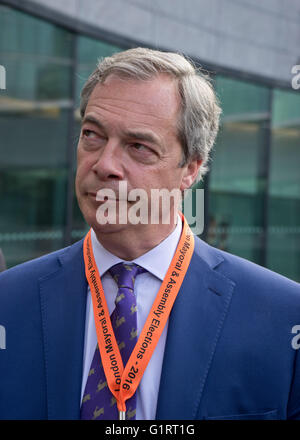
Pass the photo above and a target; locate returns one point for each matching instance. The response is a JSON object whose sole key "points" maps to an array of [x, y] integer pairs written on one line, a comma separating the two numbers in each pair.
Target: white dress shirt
{"points": [[147, 284]]}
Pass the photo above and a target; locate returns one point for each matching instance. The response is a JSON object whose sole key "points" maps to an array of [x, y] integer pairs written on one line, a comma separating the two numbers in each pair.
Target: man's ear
{"points": [[190, 174]]}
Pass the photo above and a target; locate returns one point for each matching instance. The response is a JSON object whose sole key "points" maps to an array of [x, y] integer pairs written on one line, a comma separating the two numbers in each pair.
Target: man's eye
{"points": [[89, 134], [141, 147]]}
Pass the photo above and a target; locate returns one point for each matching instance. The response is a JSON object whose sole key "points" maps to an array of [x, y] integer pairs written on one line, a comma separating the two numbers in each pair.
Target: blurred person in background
{"points": [[2, 261]]}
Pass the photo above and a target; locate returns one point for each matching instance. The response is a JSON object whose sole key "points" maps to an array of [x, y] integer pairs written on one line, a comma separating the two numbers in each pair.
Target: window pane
{"points": [[238, 175], [283, 252], [34, 129], [32, 212]]}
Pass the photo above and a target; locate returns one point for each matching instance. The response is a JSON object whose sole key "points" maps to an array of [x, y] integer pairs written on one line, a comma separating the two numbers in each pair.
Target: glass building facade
{"points": [[252, 192]]}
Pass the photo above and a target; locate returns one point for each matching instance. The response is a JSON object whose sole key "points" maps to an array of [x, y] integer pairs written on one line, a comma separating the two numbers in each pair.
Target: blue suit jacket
{"points": [[228, 351]]}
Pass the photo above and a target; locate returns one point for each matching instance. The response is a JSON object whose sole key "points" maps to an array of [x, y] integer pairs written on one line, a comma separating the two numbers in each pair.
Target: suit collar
{"points": [[195, 325], [63, 301]]}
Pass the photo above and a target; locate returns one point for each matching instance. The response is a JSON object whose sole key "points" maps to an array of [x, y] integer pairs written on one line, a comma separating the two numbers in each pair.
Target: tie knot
{"points": [[124, 274]]}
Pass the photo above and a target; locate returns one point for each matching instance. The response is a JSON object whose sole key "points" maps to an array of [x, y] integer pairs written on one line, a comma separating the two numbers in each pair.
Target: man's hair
{"points": [[199, 117]]}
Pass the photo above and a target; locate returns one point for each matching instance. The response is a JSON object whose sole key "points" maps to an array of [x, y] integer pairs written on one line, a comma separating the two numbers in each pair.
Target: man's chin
{"points": [[110, 228]]}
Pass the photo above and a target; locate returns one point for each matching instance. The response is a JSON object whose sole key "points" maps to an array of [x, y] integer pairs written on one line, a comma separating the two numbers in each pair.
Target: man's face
{"points": [[129, 133]]}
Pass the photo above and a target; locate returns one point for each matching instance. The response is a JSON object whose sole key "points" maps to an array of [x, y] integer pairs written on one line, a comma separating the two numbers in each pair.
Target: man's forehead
{"points": [[160, 92]]}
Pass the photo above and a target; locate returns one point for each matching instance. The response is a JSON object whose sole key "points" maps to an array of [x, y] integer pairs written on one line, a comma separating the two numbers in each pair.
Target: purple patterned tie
{"points": [[98, 403]]}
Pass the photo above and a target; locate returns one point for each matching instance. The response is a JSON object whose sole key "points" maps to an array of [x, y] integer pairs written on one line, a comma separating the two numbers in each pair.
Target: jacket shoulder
{"points": [[25, 277], [246, 274]]}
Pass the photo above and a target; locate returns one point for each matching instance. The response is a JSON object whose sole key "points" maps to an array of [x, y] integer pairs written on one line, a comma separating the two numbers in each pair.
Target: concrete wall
{"points": [[256, 36]]}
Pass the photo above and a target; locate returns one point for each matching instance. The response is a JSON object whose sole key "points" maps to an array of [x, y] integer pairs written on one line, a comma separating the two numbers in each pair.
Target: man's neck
{"points": [[130, 244]]}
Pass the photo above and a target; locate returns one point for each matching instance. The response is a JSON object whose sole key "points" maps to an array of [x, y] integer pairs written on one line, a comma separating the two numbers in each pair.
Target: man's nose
{"points": [[109, 163]]}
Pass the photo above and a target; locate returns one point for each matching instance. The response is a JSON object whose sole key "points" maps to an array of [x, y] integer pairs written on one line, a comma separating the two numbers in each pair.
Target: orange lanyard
{"points": [[121, 381]]}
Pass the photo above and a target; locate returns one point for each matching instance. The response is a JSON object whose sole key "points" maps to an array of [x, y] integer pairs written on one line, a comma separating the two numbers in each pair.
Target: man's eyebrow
{"points": [[143, 136], [134, 134], [93, 120]]}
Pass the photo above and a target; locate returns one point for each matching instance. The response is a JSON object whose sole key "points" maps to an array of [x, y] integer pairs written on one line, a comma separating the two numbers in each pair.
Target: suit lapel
{"points": [[63, 302], [195, 326]]}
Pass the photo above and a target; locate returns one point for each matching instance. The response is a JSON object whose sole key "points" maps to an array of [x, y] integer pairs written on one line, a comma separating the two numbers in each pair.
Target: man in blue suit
{"points": [[228, 350]]}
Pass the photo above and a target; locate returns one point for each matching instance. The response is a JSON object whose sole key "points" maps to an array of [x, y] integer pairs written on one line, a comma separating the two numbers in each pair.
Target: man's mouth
{"points": [[93, 196]]}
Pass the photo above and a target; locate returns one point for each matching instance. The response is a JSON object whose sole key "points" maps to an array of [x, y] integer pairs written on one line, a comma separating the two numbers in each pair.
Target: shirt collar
{"points": [[156, 261]]}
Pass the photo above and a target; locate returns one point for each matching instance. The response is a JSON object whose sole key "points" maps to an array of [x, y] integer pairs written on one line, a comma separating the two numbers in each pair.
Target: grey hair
{"points": [[199, 119]]}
